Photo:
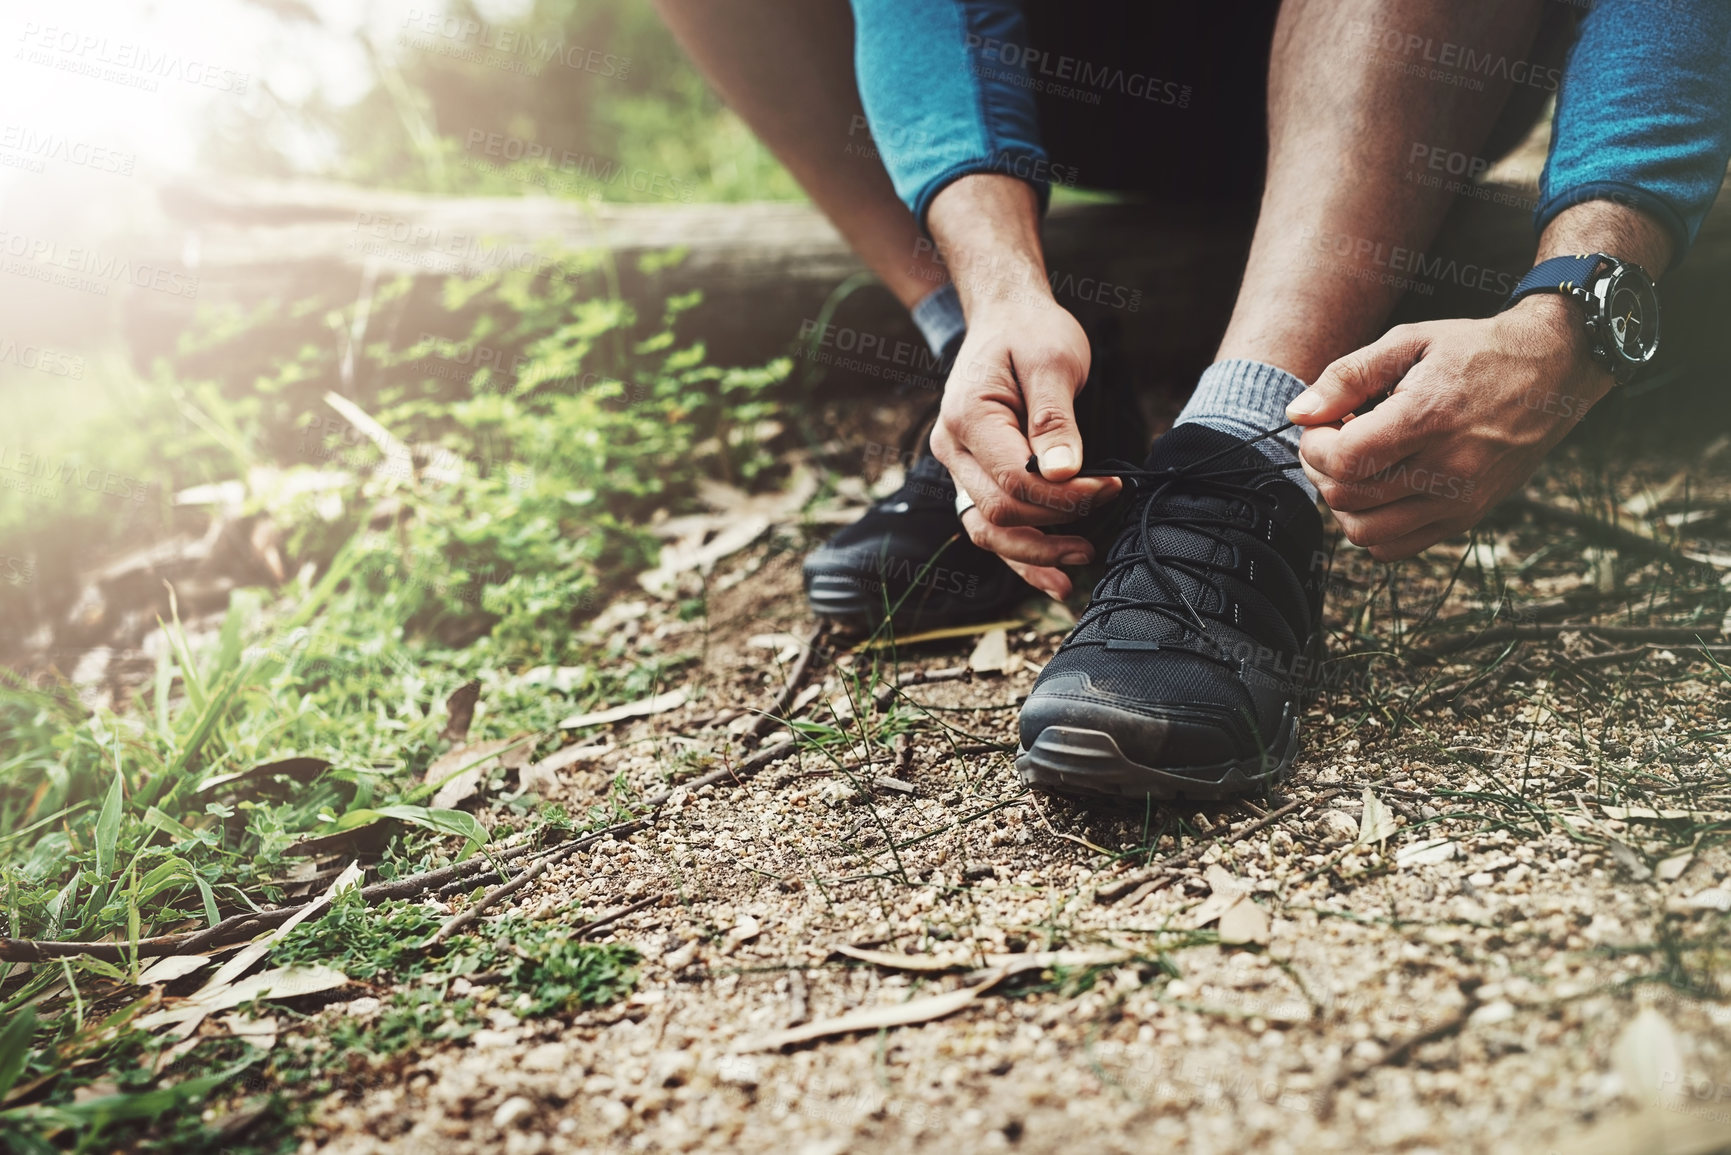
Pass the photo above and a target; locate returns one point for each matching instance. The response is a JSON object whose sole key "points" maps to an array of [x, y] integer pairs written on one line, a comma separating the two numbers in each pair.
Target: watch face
{"points": [[1632, 315]]}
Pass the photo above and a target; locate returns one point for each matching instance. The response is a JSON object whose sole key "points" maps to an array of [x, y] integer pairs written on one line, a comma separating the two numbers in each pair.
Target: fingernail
{"points": [[1077, 558], [1058, 457], [1303, 405]]}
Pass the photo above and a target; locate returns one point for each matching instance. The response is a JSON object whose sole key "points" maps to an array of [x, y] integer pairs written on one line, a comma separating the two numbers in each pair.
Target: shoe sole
{"points": [[1073, 760]]}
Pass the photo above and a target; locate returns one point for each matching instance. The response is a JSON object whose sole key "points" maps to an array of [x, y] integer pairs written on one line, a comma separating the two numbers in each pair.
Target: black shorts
{"points": [[1165, 99]]}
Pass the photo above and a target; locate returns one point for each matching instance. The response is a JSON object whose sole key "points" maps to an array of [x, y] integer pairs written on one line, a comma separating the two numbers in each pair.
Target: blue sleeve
{"points": [[1644, 113], [945, 86]]}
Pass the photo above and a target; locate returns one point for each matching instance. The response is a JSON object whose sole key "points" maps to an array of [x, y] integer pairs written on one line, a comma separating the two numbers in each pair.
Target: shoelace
{"points": [[1153, 484]]}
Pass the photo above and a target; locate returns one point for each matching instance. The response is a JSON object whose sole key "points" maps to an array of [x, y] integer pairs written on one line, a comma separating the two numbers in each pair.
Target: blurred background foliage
{"points": [[634, 106]]}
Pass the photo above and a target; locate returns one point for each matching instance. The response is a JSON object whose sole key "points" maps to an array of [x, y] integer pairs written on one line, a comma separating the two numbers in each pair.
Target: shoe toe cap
{"points": [[1163, 735]]}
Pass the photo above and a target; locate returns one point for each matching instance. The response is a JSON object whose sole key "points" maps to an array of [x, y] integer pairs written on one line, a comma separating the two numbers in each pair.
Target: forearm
{"points": [[987, 228], [1607, 227]]}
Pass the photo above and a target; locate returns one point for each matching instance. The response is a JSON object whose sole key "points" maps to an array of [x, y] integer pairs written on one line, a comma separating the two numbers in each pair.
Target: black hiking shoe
{"points": [[1186, 674], [910, 559], [908, 556]]}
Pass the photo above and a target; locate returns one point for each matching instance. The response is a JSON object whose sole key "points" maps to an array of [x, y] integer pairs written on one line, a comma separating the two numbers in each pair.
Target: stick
{"points": [[1621, 536], [1663, 635], [767, 720], [589, 928], [1396, 1056], [469, 916]]}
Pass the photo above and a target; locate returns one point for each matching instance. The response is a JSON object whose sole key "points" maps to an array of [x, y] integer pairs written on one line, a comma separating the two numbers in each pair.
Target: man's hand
{"points": [[1475, 406], [1013, 388]]}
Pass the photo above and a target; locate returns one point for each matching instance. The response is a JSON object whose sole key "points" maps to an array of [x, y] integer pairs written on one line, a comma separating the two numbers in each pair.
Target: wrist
{"points": [[987, 228], [1559, 326]]}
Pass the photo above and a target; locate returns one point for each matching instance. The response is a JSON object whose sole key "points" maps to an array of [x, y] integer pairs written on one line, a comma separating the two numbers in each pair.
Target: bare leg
{"points": [[1342, 131], [786, 66]]}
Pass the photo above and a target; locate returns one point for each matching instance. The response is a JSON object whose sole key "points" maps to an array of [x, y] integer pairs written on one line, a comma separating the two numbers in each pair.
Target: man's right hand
{"points": [[1012, 391]]}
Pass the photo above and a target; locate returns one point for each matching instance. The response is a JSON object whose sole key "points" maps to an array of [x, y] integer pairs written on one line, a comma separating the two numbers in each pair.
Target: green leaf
{"points": [[457, 822], [15, 1039], [108, 829]]}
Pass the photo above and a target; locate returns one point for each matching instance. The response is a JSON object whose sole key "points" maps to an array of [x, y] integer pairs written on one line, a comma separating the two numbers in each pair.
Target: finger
{"points": [[1026, 545], [1391, 522], [1049, 389], [1360, 376], [1009, 495], [1421, 539], [1370, 445], [1358, 496], [1049, 580]]}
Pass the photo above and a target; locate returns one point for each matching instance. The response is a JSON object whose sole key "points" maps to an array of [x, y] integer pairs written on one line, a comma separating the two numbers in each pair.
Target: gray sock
{"points": [[1245, 398], [939, 317]]}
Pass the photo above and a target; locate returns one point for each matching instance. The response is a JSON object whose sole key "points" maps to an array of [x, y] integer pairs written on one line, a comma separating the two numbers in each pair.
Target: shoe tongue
{"points": [[1190, 443]]}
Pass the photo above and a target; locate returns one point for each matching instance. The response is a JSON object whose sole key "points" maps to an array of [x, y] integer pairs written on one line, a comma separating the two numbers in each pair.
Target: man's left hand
{"points": [[1472, 407]]}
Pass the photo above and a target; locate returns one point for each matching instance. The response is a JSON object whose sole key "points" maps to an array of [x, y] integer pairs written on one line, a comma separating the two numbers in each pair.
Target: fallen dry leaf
{"points": [[281, 983], [1226, 892], [459, 772], [253, 951], [879, 1018], [537, 777], [891, 960], [1644, 814], [460, 711], [884, 643], [1376, 824], [1244, 923], [991, 654], [1432, 852], [659, 704], [173, 966]]}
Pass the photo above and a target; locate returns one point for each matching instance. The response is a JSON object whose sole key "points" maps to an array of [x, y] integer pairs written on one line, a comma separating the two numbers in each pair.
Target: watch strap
{"points": [[1558, 275]]}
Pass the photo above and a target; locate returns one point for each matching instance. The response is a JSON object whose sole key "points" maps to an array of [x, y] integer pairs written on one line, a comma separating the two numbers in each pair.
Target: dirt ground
{"points": [[1518, 949]]}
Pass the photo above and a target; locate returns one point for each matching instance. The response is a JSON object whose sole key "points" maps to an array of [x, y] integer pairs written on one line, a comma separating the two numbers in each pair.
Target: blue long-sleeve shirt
{"points": [[1643, 111]]}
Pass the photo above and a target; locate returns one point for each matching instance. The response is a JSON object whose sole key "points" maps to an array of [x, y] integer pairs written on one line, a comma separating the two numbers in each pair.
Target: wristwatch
{"points": [[1620, 302]]}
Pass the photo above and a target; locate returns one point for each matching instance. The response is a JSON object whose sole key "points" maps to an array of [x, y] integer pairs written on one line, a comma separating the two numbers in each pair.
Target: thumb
{"points": [[1050, 394], [1360, 376]]}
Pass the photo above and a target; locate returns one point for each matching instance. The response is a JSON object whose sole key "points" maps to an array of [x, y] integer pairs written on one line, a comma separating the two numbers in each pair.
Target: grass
{"points": [[150, 818]]}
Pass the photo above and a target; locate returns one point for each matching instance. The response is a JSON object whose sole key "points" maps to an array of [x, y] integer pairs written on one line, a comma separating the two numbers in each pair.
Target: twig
{"points": [[1395, 1056], [1047, 823], [904, 747], [1621, 536], [589, 928], [492, 897], [1111, 894], [767, 720], [1496, 635]]}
